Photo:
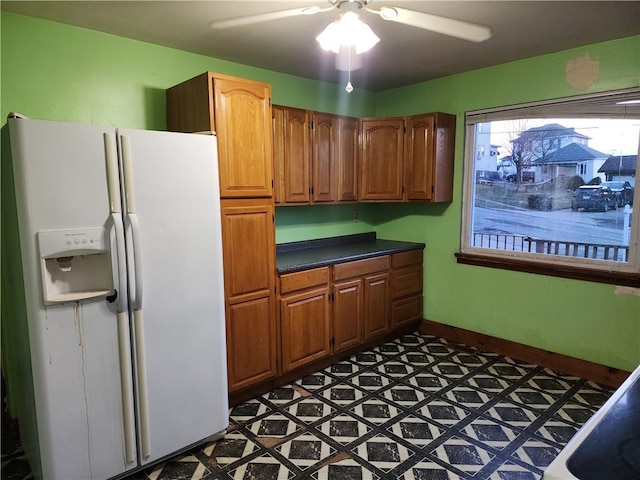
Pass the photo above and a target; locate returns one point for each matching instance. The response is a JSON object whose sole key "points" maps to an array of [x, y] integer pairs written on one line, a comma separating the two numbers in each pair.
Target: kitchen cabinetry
{"points": [[239, 111], [347, 318], [248, 255], [360, 301], [329, 310], [429, 157], [408, 158], [324, 157], [406, 287], [291, 154], [315, 156], [348, 159], [304, 317], [382, 159]]}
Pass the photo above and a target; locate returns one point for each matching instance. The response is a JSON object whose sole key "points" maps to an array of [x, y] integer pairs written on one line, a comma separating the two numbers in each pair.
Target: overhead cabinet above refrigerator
{"points": [[120, 250]]}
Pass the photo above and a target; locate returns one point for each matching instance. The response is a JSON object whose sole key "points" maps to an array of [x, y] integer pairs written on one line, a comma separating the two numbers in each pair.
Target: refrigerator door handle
{"points": [[143, 401], [129, 192], [113, 185], [124, 339], [138, 319], [127, 387]]}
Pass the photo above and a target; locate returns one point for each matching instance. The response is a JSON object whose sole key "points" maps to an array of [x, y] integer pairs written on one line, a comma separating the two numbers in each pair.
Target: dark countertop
{"points": [[296, 256]]}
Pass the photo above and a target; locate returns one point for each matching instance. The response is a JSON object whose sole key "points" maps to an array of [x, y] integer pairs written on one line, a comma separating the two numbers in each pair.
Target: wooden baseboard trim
{"points": [[595, 372]]}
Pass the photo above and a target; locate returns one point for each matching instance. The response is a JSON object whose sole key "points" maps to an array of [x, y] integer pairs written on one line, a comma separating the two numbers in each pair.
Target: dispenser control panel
{"points": [[78, 241]]}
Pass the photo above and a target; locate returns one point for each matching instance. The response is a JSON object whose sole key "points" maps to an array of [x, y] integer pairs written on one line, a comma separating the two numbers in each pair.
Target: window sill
{"points": [[564, 271]]}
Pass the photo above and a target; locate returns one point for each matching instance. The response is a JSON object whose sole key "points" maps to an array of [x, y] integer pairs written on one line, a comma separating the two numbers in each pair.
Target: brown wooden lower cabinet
{"points": [[376, 305], [304, 317], [406, 287], [348, 301], [251, 352], [323, 313], [249, 265]]}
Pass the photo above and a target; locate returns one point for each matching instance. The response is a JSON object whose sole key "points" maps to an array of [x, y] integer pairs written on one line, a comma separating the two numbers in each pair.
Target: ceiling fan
{"points": [[435, 23], [348, 36]]}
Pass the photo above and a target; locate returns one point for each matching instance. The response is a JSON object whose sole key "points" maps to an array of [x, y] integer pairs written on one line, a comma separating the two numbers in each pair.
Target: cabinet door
{"points": [[430, 156], [376, 305], [305, 327], [242, 110], [348, 159], [296, 156], [419, 159], [347, 314], [251, 348], [277, 113], [324, 157], [249, 274], [382, 159]]}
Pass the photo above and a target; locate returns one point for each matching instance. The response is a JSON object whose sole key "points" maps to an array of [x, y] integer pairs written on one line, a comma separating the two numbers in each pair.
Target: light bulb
{"points": [[349, 88]]}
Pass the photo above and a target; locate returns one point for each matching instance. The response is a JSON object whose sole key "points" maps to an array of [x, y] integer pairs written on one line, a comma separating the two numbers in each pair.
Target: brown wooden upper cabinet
{"points": [[382, 159], [239, 111], [291, 154], [315, 156], [429, 157], [408, 159]]}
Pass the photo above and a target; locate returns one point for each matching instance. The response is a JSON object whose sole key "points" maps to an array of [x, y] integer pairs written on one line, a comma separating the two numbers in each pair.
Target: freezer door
{"points": [[71, 417], [172, 220]]}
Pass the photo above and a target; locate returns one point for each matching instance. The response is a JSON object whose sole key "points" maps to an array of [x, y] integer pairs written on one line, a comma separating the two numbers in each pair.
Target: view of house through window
{"points": [[550, 185]]}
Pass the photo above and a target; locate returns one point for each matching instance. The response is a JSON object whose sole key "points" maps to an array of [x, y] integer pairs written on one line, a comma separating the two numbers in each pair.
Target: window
{"points": [[557, 209], [582, 170]]}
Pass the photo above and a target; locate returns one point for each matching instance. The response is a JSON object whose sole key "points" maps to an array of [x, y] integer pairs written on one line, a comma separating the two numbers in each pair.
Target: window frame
{"points": [[602, 271]]}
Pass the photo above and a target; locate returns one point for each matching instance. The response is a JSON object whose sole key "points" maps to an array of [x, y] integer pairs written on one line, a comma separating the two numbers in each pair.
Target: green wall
{"points": [[55, 71], [580, 319]]}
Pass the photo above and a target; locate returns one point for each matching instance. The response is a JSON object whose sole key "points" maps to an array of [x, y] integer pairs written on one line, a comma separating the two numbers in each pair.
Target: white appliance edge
{"points": [[90, 357], [558, 469]]}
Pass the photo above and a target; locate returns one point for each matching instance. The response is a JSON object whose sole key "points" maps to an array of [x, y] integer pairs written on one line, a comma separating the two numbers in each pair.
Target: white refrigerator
{"points": [[121, 256]]}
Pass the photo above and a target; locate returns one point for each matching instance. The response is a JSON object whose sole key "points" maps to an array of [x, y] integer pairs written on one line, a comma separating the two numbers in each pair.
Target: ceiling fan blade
{"points": [[265, 17], [447, 26]]}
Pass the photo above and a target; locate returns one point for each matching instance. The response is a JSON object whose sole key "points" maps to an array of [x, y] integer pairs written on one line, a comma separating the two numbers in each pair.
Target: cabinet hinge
{"points": [[402, 188], [432, 188], [404, 129], [272, 183], [310, 190], [311, 126], [332, 342], [435, 127], [331, 297], [273, 218]]}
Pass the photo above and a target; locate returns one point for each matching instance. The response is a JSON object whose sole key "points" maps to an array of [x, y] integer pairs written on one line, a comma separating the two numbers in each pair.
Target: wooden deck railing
{"points": [[517, 243]]}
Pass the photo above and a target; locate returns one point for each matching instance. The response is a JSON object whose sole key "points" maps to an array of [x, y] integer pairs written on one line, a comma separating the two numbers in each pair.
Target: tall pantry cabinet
{"points": [[239, 111]]}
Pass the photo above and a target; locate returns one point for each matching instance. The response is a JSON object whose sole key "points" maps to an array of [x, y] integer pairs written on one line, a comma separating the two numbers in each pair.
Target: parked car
{"points": [[527, 177], [596, 197], [487, 177], [622, 191]]}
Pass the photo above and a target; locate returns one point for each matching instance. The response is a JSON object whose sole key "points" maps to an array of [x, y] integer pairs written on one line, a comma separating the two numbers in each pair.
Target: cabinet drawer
{"points": [[360, 267], [406, 281], [304, 279], [406, 310], [406, 258]]}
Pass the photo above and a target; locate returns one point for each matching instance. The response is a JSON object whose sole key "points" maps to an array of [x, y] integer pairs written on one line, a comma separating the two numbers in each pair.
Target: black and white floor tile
{"points": [[416, 408]]}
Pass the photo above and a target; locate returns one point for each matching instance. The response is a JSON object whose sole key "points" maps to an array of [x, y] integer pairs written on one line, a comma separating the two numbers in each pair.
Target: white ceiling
{"points": [[405, 54]]}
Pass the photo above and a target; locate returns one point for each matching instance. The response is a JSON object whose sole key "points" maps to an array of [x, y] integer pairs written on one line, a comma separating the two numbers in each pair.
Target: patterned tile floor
{"points": [[417, 408]]}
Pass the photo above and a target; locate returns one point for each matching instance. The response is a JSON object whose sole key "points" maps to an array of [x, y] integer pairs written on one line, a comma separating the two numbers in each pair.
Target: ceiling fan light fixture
{"points": [[348, 30]]}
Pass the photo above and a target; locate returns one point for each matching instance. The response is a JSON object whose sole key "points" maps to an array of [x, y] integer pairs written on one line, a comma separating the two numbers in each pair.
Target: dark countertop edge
{"points": [[399, 248], [326, 242]]}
